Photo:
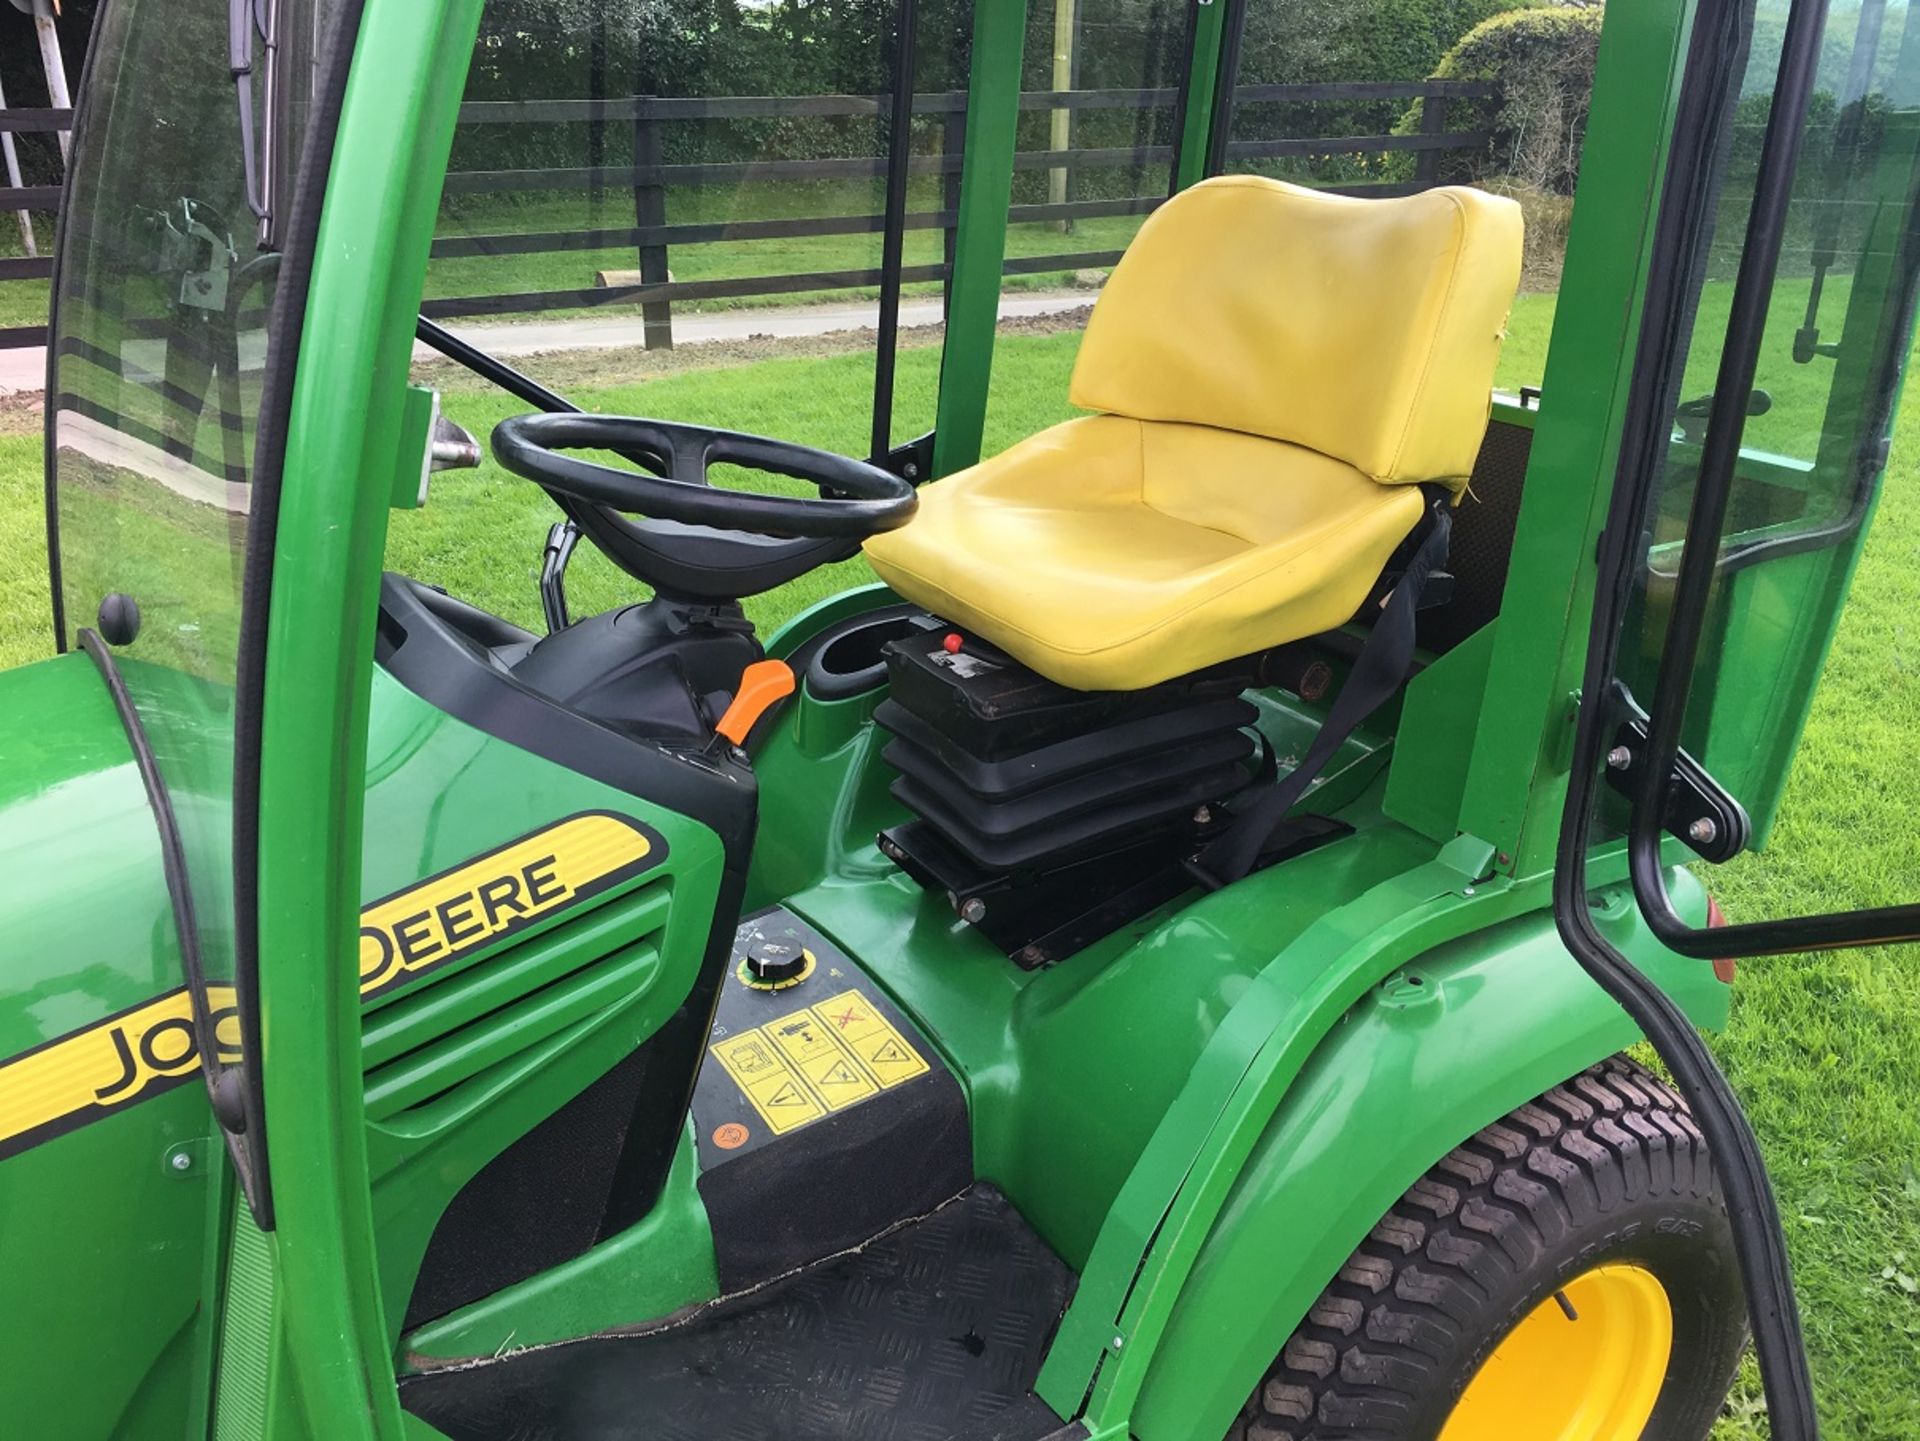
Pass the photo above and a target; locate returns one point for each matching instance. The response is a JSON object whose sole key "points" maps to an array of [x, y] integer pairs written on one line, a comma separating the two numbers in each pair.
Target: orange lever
{"points": [[761, 684]]}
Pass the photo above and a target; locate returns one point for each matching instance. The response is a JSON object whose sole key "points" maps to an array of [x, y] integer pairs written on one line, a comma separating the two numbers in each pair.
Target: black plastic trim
{"points": [[822, 683]]}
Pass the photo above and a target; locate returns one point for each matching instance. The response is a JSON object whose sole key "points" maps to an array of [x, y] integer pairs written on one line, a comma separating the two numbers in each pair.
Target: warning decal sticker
{"points": [[817, 1060], [879, 1047]]}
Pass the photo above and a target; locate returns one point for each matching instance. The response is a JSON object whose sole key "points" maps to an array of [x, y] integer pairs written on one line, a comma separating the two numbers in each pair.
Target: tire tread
{"points": [[1378, 1340]]}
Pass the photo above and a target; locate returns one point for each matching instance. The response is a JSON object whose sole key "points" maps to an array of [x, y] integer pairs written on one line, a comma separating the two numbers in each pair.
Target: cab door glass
{"points": [[163, 331], [1806, 695]]}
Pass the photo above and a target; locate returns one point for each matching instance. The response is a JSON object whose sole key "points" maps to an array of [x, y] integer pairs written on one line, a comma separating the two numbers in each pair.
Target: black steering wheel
{"points": [[679, 533]]}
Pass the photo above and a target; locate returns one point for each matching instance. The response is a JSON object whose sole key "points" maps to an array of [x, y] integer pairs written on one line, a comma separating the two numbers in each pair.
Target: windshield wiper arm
{"points": [[248, 21]]}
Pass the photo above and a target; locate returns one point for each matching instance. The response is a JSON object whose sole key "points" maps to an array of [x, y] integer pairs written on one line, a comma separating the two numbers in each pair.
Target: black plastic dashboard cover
{"points": [[824, 1116]]}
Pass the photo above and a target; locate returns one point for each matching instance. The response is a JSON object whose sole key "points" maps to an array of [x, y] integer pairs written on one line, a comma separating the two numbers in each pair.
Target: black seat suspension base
{"points": [[1048, 817]]}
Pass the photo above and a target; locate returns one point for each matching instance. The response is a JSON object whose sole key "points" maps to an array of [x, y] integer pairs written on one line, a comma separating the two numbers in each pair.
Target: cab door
{"points": [[1746, 713]]}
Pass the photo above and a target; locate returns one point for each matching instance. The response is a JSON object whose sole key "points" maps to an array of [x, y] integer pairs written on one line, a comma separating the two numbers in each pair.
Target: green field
{"points": [[1825, 1050]]}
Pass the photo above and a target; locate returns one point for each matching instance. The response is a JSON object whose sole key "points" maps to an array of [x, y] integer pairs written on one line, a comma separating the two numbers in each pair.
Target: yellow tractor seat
{"points": [[1276, 372]]}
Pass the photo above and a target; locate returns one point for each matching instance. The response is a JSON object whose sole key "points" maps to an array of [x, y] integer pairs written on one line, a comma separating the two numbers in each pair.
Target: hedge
{"points": [[1542, 61]]}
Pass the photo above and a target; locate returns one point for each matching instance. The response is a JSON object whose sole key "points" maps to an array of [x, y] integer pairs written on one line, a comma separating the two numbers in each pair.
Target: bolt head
{"points": [[1203, 816], [181, 1161], [973, 910], [1619, 758], [1703, 832]]}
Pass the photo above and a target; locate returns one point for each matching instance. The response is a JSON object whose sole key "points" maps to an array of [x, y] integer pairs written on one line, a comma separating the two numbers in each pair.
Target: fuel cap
{"points": [[775, 965]]}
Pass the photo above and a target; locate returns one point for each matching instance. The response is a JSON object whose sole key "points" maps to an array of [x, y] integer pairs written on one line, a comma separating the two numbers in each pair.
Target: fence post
{"points": [[1433, 121], [649, 213], [27, 240], [52, 62], [953, 141]]}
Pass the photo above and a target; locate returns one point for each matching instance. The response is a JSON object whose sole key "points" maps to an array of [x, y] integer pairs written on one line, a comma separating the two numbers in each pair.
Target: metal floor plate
{"points": [[933, 1332]]}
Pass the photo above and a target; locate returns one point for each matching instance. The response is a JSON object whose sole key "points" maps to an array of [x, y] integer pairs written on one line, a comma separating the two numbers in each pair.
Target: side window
{"points": [[1097, 142]]}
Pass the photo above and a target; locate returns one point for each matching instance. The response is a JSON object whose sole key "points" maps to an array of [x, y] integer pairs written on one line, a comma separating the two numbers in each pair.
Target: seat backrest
{"points": [[1364, 329]]}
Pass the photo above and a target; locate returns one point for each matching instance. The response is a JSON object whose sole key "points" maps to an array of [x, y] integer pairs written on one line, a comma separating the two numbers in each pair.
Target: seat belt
{"points": [[1380, 670]]}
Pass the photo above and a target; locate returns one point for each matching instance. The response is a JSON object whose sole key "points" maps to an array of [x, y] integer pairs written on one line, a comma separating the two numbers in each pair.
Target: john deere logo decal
{"points": [[93, 1072], [78, 1078], [481, 901]]}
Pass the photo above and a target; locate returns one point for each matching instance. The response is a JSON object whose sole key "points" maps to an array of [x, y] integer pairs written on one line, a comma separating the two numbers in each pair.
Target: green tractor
{"points": [[1158, 964]]}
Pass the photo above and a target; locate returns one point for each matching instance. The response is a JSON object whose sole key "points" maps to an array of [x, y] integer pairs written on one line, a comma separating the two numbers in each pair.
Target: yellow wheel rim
{"points": [[1591, 1376]]}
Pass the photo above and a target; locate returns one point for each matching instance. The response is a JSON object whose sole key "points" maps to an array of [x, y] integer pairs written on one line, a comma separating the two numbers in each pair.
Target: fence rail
{"points": [[41, 199], [649, 178]]}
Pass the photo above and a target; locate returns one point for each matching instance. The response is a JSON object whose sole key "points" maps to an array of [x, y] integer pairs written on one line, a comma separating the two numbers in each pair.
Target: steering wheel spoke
{"points": [[688, 458]]}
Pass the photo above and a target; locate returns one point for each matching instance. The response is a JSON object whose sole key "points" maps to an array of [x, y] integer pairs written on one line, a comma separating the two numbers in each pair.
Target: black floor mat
{"points": [[933, 1332]]}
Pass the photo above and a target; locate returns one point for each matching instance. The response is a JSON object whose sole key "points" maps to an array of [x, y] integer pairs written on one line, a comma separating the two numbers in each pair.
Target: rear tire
{"points": [[1606, 1170]]}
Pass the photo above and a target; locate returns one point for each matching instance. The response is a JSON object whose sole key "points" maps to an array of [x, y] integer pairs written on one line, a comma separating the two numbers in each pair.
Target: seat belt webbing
{"points": [[1380, 670]]}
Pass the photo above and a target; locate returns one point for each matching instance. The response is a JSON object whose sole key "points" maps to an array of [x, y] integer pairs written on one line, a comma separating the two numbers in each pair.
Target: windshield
{"points": [[161, 339]]}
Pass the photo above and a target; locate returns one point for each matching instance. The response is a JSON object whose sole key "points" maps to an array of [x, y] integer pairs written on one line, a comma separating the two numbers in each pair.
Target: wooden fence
{"points": [[35, 199], [653, 237]]}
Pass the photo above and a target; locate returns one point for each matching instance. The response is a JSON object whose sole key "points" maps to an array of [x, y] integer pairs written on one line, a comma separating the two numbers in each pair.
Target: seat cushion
{"points": [[1110, 553], [1365, 329]]}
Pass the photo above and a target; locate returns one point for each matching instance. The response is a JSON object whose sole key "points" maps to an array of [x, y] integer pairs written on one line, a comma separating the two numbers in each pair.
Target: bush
{"points": [[1548, 218], [1542, 61], [1310, 42]]}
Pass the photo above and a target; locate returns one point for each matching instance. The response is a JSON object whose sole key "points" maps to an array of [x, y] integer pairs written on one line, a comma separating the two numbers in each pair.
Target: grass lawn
{"points": [[1825, 1050]]}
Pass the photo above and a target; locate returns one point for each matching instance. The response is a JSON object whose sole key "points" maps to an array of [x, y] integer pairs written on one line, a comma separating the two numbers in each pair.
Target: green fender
{"points": [[1446, 1046]]}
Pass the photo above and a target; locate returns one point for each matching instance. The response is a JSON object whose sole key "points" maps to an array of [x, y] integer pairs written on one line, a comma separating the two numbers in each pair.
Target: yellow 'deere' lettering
{"points": [[455, 913], [112, 1063]]}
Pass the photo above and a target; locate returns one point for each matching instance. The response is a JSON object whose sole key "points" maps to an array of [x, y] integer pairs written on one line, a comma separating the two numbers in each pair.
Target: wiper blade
{"points": [[248, 22]]}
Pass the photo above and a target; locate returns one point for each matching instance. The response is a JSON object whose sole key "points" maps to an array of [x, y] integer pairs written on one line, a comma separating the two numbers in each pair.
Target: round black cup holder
{"points": [[850, 659]]}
